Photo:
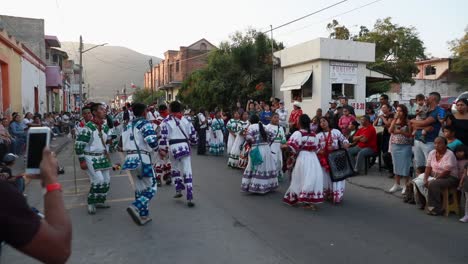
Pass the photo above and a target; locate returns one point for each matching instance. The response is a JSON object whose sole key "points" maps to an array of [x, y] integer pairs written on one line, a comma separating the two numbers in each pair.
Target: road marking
{"points": [[84, 179], [72, 206]]}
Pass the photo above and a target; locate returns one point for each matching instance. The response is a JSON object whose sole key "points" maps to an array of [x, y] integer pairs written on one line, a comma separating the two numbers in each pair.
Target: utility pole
{"points": [[152, 83], [81, 76], [272, 64]]}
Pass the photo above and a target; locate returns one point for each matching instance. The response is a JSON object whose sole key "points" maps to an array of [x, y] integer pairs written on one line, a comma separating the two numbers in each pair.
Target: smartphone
{"points": [[38, 138]]}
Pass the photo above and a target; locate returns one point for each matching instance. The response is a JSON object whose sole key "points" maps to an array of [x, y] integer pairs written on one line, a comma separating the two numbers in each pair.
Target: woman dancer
{"points": [[233, 127], [238, 144], [279, 140]]}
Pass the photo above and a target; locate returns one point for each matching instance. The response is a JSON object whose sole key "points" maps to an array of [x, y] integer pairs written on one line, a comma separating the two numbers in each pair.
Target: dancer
{"points": [[202, 122], [238, 144], [138, 141], [329, 140], [176, 135], [91, 147], [260, 175], [232, 127], [162, 165], [276, 144], [306, 178], [217, 138]]}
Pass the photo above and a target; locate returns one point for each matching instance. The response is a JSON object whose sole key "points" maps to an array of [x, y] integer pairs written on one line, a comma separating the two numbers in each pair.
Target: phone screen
{"points": [[37, 143]]}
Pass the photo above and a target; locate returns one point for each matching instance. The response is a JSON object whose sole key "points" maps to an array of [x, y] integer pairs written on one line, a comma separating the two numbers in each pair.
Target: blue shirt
{"points": [[430, 136], [265, 117]]}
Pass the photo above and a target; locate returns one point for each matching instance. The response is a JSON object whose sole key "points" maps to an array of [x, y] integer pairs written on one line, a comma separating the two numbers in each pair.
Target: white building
{"points": [[323, 69], [33, 83]]}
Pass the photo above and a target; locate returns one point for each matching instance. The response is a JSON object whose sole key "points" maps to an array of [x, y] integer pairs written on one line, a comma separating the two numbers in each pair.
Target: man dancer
{"points": [[202, 122], [91, 147], [176, 135], [138, 141], [162, 165]]}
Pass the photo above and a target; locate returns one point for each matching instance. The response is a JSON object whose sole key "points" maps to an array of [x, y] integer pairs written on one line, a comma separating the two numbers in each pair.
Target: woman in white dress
{"points": [[260, 175], [232, 126], [278, 141], [209, 131], [238, 144], [217, 136], [307, 177], [329, 140]]}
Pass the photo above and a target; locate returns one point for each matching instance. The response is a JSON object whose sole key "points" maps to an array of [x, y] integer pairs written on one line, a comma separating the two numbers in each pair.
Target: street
{"points": [[227, 226]]}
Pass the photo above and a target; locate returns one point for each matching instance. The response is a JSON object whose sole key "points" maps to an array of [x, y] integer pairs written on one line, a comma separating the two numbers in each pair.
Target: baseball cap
{"points": [[333, 102]]}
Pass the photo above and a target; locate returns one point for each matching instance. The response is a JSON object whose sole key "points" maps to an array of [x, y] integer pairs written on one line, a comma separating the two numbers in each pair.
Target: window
{"points": [[306, 89], [340, 89], [47, 55], [55, 58], [430, 70], [203, 46], [177, 66]]}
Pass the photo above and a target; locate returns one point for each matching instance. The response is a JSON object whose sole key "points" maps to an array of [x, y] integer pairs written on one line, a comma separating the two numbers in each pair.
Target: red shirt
{"points": [[294, 117], [371, 135]]}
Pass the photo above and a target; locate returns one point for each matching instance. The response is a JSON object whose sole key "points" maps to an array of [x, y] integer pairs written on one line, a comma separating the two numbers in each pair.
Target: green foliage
{"points": [[397, 49], [459, 47], [144, 96], [232, 73], [338, 31]]}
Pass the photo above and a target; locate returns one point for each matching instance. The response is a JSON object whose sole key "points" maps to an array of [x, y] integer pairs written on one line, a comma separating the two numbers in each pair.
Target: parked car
{"points": [[454, 104], [446, 102]]}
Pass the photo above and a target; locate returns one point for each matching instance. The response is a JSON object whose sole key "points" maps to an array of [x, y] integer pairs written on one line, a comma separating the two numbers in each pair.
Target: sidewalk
{"points": [[376, 180]]}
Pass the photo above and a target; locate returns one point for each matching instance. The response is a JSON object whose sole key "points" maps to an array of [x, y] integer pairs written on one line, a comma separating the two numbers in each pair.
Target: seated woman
{"points": [[353, 128], [307, 177], [441, 172]]}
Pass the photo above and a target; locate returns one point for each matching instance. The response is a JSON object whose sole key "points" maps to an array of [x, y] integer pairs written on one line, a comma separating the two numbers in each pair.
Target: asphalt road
{"points": [[227, 226]]}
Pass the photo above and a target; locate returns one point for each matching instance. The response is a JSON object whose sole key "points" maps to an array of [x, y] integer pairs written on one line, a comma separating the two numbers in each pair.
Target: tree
{"points": [[338, 31], [145, 96], [232, 74], [459, 47], [397, 49]]}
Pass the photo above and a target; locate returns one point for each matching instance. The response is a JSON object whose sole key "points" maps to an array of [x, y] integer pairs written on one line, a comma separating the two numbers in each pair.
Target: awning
{"points": [[295, 81]]}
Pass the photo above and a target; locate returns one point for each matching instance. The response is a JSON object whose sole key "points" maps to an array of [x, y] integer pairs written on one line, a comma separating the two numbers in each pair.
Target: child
{"points": [[409, 196], [421, 114], [449, 134], [463, 186], [461, 152], [8, 162]]}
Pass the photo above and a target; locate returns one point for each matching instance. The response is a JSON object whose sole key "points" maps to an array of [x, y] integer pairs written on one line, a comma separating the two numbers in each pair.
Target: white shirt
{"points": [[201, 120]]}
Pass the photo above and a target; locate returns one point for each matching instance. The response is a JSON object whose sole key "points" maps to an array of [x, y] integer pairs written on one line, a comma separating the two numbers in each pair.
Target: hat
{"points": [[333, 102], [296, 103], [9, 157]]}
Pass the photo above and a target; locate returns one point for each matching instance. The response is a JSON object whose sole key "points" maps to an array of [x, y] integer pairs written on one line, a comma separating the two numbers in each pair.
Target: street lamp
{"points": [[81, 69]]}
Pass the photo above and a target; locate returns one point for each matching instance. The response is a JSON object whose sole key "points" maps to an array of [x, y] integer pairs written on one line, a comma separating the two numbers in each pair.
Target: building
{"points": [[177, 65], [10, 74], [56, 95], [323, 69], [71, 73], [33, 82], [434, 76]]}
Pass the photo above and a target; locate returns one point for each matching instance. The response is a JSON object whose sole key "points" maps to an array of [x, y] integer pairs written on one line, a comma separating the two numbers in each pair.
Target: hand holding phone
{"points": [[38, 139]]}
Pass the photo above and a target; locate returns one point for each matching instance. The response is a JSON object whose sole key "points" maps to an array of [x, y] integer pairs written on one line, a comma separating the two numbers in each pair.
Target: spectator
{"points": [[421, 114], [462, 156], [384, 120], [7, 164], [239, 108], [459, 121], [449, 134], [283, 116], [5, 136], [314, 124], [461, 153], [18, 130], [251, 108], [366, 146], [319, 113], [36, 121], [47, 240], [371, 114], [384, 100], [346, 119], [294, 117], [28, 119], [353, 128], [412, 109], [331, 114], [345, 105], [441, 172], [421, 149], [265, 115], [401, 142]]}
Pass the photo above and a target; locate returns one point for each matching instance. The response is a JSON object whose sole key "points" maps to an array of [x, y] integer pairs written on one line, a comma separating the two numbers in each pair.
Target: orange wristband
{"points": [[54, 187]]}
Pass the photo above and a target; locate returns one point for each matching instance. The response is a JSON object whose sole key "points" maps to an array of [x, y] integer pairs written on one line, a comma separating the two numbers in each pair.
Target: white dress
{"points": [[238, 145], [307, 176], [332, 190], [232, 126], [279, 139], [261, 178], [217, 137]]}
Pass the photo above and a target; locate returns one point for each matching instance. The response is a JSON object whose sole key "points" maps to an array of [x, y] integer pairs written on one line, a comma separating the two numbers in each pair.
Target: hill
{"points": [[109, 68]]}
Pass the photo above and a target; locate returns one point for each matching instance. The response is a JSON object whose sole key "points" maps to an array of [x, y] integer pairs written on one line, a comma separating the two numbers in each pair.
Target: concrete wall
{"points": [[11, 84], [427, 86], [32, 77], [29, 31]]}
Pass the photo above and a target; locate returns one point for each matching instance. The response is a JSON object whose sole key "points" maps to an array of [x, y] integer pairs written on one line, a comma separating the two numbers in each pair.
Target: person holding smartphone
{"points": [[47, 240]]}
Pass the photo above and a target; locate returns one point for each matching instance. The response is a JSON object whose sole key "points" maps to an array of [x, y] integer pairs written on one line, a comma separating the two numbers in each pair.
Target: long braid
{"points": [[262, 132]]}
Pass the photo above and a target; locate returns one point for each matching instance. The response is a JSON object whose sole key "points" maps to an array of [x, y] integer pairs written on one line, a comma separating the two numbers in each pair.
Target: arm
{"points": [[52, 242], [423, 123], [164, 140], [83, 139], [150, 136]]}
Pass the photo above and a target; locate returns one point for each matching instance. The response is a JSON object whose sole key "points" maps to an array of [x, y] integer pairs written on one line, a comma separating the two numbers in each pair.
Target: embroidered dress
{"points": [[209, 132], [238, 146], [217, 139], [332, 190], [176, 144], [233, 126], [139, 140], [261, 178], [161, 165], [89, 147], [275, 144], [307, 177]]}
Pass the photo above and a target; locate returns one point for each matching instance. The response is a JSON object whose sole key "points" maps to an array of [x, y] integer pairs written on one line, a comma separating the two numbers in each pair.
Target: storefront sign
{"points": [[343, 72]]}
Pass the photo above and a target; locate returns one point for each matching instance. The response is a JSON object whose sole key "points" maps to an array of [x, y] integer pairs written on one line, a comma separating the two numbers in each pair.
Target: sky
{"points": [[154, 26]]}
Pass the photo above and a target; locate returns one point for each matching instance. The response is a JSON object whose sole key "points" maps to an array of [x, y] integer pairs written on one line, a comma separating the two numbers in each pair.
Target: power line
{"points": [[306, 16]]}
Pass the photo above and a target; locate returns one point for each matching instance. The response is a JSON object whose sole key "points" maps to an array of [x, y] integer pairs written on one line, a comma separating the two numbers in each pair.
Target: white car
{"points": [[454, 105]]}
